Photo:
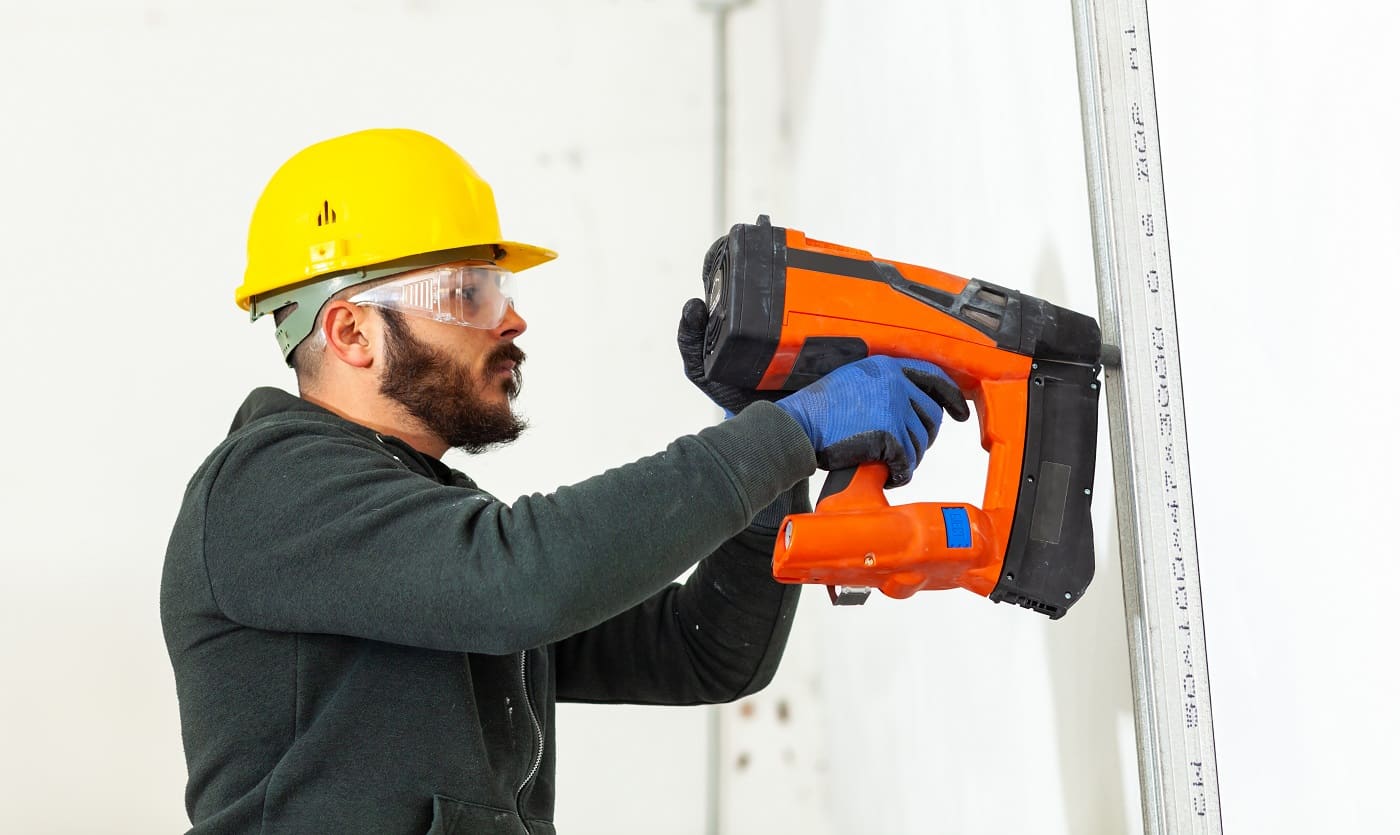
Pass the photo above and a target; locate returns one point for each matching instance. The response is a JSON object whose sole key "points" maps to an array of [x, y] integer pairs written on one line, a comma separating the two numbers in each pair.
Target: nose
{"points": [[511, 326]]}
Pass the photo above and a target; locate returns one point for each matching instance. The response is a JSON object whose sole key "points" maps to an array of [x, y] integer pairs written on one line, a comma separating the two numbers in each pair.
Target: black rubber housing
{"points": [[745, 287], [1050, 558]]}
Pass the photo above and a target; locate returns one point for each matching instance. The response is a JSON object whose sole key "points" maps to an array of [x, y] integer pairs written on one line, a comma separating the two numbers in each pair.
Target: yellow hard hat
{"points": [[366, 199]]}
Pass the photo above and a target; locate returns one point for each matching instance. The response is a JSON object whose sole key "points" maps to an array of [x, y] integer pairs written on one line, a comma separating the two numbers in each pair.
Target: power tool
{"points": [[785, 309]]}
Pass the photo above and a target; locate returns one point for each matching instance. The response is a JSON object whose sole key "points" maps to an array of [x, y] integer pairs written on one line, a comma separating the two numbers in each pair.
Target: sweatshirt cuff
{"points": [[769, 518], [766, 450]]}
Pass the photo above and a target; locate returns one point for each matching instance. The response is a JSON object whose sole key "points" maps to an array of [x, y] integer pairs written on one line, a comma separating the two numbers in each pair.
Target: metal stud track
{"points": [[1147, 420]]}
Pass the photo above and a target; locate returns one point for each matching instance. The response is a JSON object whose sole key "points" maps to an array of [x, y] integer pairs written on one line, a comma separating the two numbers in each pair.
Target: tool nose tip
{"points": [[1110, 355]]}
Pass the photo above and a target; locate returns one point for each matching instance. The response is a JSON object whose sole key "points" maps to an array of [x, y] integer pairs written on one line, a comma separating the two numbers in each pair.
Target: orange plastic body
{"points": [[855, 537]]}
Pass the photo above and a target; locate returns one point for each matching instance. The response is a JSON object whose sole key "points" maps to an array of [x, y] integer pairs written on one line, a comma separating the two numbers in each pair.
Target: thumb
{"points": [[693, 319], [690, 338]]}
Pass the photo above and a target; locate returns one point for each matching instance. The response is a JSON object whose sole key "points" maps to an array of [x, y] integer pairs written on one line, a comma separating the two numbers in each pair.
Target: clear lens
{"points": [[475, 295]]}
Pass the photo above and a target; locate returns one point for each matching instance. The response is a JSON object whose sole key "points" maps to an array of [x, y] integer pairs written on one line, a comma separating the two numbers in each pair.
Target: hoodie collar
{"points": [[265, 402]]}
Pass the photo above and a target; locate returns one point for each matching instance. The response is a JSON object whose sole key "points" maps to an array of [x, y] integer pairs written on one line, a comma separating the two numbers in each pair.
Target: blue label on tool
{"points": [[957, 527]]}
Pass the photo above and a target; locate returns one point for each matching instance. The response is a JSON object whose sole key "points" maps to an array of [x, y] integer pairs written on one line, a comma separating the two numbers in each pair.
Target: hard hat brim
{"points": [[523, 256]]}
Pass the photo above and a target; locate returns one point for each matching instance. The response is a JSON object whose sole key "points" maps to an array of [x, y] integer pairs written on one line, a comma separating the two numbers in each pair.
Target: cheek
{"points": [[464, 345], [472, 356]]}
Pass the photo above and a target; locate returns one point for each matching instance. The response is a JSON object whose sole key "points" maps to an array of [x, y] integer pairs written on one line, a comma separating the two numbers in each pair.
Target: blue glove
{"points": [[876, 409]]}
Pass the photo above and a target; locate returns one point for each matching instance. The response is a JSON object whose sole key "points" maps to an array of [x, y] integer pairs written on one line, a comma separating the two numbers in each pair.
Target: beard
{"points": [[445, 395]]}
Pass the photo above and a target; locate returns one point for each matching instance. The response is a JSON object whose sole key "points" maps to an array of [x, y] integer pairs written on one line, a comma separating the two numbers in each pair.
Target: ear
{"points": [[351, 333]]}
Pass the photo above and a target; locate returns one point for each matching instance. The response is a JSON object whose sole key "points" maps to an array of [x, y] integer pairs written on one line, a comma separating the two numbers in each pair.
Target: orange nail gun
{"points": [[786, 309]]}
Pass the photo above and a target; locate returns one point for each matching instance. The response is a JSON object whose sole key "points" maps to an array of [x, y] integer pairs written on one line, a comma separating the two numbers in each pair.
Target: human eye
{"points": [[468, 295]]}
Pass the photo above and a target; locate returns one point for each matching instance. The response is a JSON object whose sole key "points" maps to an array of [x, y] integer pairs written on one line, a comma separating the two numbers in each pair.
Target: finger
{"points": [[929, 413], [902, 469], [918, 433], [897, 453], [936, 382], [866, 447]]}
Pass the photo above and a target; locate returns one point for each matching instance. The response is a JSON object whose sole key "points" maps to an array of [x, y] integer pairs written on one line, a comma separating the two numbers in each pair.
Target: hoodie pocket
{"points": [[458, 817]]}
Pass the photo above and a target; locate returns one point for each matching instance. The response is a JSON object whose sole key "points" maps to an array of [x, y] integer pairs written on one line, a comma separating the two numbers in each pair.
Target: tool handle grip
{"points": [[899, 550], [854, 488]]}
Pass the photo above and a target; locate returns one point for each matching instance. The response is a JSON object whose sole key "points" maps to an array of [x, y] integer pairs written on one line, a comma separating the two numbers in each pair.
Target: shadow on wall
{"points": [[1087, 651]]}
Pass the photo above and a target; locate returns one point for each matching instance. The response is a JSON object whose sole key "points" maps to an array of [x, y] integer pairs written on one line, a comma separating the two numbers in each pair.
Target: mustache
{"points": [[506, 352], [513, 354]]}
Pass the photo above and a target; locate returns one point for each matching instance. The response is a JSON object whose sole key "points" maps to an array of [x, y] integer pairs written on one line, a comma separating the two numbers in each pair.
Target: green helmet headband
{"points": [[309, 297]]}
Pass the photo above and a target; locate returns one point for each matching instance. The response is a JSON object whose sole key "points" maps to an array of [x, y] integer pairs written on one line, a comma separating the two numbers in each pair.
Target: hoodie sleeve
{"points": [[716, 638], [309, 528]]}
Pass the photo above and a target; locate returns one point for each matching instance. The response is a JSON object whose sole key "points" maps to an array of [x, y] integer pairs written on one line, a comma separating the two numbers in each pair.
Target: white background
{"points": [[135, 136]]}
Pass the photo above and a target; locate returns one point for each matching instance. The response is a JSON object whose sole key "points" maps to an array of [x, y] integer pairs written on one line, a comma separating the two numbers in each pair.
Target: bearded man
{"points": [[363, 639]]}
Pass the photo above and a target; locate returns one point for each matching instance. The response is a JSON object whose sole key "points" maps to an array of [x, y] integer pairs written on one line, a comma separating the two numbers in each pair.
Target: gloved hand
{"points": [[876, 409], [690, 338]]}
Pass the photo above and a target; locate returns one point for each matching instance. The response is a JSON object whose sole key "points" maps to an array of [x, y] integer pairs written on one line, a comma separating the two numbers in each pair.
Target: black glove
{"points": [[690, 338]]}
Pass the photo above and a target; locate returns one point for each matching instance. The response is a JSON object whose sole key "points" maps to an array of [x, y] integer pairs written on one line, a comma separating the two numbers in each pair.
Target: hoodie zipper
{"points": [[537, 740]]}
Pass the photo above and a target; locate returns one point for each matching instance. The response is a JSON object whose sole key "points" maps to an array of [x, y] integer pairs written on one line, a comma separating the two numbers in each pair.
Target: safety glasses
{"points": [[474, 295]]}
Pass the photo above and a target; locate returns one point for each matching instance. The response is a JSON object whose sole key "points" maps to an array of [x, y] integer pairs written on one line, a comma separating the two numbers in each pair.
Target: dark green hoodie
{"points": [[365, 641]]}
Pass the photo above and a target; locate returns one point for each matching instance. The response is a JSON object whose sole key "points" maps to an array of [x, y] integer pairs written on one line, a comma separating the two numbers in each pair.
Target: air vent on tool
{"points": [[326, 215], [990, 296], [985, 308], [982, 317]]}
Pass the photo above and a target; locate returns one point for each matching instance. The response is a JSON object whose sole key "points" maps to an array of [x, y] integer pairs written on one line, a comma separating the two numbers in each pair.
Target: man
{"points": [[366, 641]]}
